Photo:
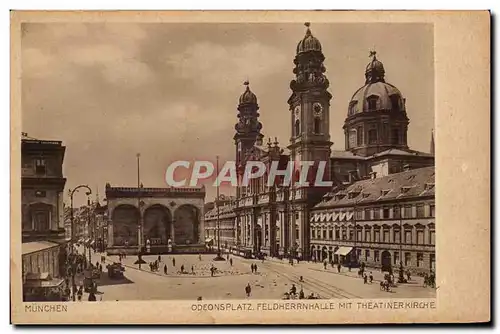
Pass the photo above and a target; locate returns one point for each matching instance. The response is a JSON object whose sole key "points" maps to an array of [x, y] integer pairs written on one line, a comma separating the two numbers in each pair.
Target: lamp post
{"points": [[401, 277], [72, 192]]}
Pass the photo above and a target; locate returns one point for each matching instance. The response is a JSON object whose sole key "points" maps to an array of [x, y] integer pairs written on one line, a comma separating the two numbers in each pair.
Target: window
{"points": [[377, 236], [359, 215], [40, 166], [376, 256], [386, 236], [297, 128], [317, 125], [352, 138], [324, 234], [313, 233], [372, 103], [408, 212], [376, 213], [360, 135], [420, 211], [394, 103], [352, 107], [359, 235], [395, 137], [420, 259], [330, 234], [337, 234], [385, 213], [344, 234], [372, 136], [408, 237], [407, 259], [420, 237], [396, 258], [351, 235], [432, 260], [367, 214], [397, 236], [297, 233], [396, 212], [367, 255], [432, 237], [41, 220], [368, 235], [296, 215], [432, 210]]}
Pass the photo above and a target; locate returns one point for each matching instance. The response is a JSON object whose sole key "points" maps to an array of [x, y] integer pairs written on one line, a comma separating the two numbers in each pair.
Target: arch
{"points": [[157, 224], [372, 136], [297, 128], [317, 124], [186, 224], [372, 102], [125, 219], [40, 216], [386, 261]]}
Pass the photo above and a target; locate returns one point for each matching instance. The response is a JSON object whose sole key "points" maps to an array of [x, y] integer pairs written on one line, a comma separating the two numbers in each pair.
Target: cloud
{"points": [[215, 66]]}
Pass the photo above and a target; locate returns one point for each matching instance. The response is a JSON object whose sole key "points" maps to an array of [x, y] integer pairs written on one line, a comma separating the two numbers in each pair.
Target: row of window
{"points": [[39, 165], [372, 103], [408, 211], [376, 236], [316, 126], [356, 137], [407, 258]]}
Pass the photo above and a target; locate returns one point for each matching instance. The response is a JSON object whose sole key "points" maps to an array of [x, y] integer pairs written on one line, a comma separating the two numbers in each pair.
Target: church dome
{"points": [[309, 42], [248, 97], [376, 94], [379, 96]]}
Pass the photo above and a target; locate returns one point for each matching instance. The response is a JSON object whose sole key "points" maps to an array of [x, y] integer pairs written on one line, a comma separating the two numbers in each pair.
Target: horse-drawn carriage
{"points": [[115, 270]]}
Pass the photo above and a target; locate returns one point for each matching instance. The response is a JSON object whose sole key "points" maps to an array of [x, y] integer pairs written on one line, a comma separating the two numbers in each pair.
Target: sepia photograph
{"points": [[223, 164]]}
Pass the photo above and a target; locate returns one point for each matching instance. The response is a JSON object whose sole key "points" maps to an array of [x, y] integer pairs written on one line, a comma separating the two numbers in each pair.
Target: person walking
{"points": [[173, 261], [324, 265], [182, 269], [199, 256], [338, 267], [192, 269], [365, 279], [371, 277], [231, 262], [255, 268], [248, 290], [251, 267], [165, 269], [92, 297]]}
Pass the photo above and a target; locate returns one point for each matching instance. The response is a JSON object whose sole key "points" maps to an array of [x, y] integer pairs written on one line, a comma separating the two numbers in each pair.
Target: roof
{"points": [[36, 246], [346, 155], [407, 152], [409, 184], [226, 209]]}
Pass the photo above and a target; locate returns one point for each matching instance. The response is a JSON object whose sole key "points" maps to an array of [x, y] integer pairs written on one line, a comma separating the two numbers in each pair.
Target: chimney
{"points": [[406, 167]]}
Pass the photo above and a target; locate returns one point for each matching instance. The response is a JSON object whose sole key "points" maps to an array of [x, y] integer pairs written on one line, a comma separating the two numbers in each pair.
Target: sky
{"points": [[170, 91]]}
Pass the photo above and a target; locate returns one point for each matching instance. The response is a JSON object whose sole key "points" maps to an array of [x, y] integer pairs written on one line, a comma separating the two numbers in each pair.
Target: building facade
{"points": [[43, 234], [280, 220]]}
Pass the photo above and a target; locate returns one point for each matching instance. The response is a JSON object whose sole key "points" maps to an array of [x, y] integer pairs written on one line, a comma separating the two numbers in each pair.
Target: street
{"points": [[272, 280]]}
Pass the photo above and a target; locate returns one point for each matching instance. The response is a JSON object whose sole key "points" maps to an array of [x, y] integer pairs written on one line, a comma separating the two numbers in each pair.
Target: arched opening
{"points": [[125, 220], [395, 102], [395, 137], [317, 125], [157, 224], [297, 128], [386, 261], [186, 225], [372, 102], [40, 215], [372, 136]]}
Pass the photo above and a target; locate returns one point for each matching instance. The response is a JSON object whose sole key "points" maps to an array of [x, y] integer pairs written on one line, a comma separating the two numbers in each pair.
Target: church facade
{"points": [[289, 221]]}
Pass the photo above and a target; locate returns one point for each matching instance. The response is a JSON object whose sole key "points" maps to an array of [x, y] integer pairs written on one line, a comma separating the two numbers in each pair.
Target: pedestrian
{"points": [[251, 267], [248, 290], [92, 297], [231, 262], [182, 269], [338, 267], [255, 268], [324, 265], [173, 261], [79, 294], [293, 289], [365, 279], [301, 294], [165, 269], [199, 256], [192, 269], [371, 277], [159, 258], [408, 274]]}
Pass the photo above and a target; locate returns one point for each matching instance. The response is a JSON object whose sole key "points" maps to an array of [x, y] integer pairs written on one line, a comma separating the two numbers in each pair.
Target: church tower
{"points": [[247, 129], [310, 104]]}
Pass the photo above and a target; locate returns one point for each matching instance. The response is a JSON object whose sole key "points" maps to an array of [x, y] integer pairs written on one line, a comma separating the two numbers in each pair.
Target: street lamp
{"points": [[71, 193]]}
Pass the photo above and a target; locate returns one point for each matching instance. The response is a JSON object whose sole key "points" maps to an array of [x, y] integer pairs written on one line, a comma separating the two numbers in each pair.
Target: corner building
{"points": [[281, 220]]}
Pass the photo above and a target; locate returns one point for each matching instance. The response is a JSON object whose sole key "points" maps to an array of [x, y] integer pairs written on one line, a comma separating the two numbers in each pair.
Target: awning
{"points": [[343, 251]]}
